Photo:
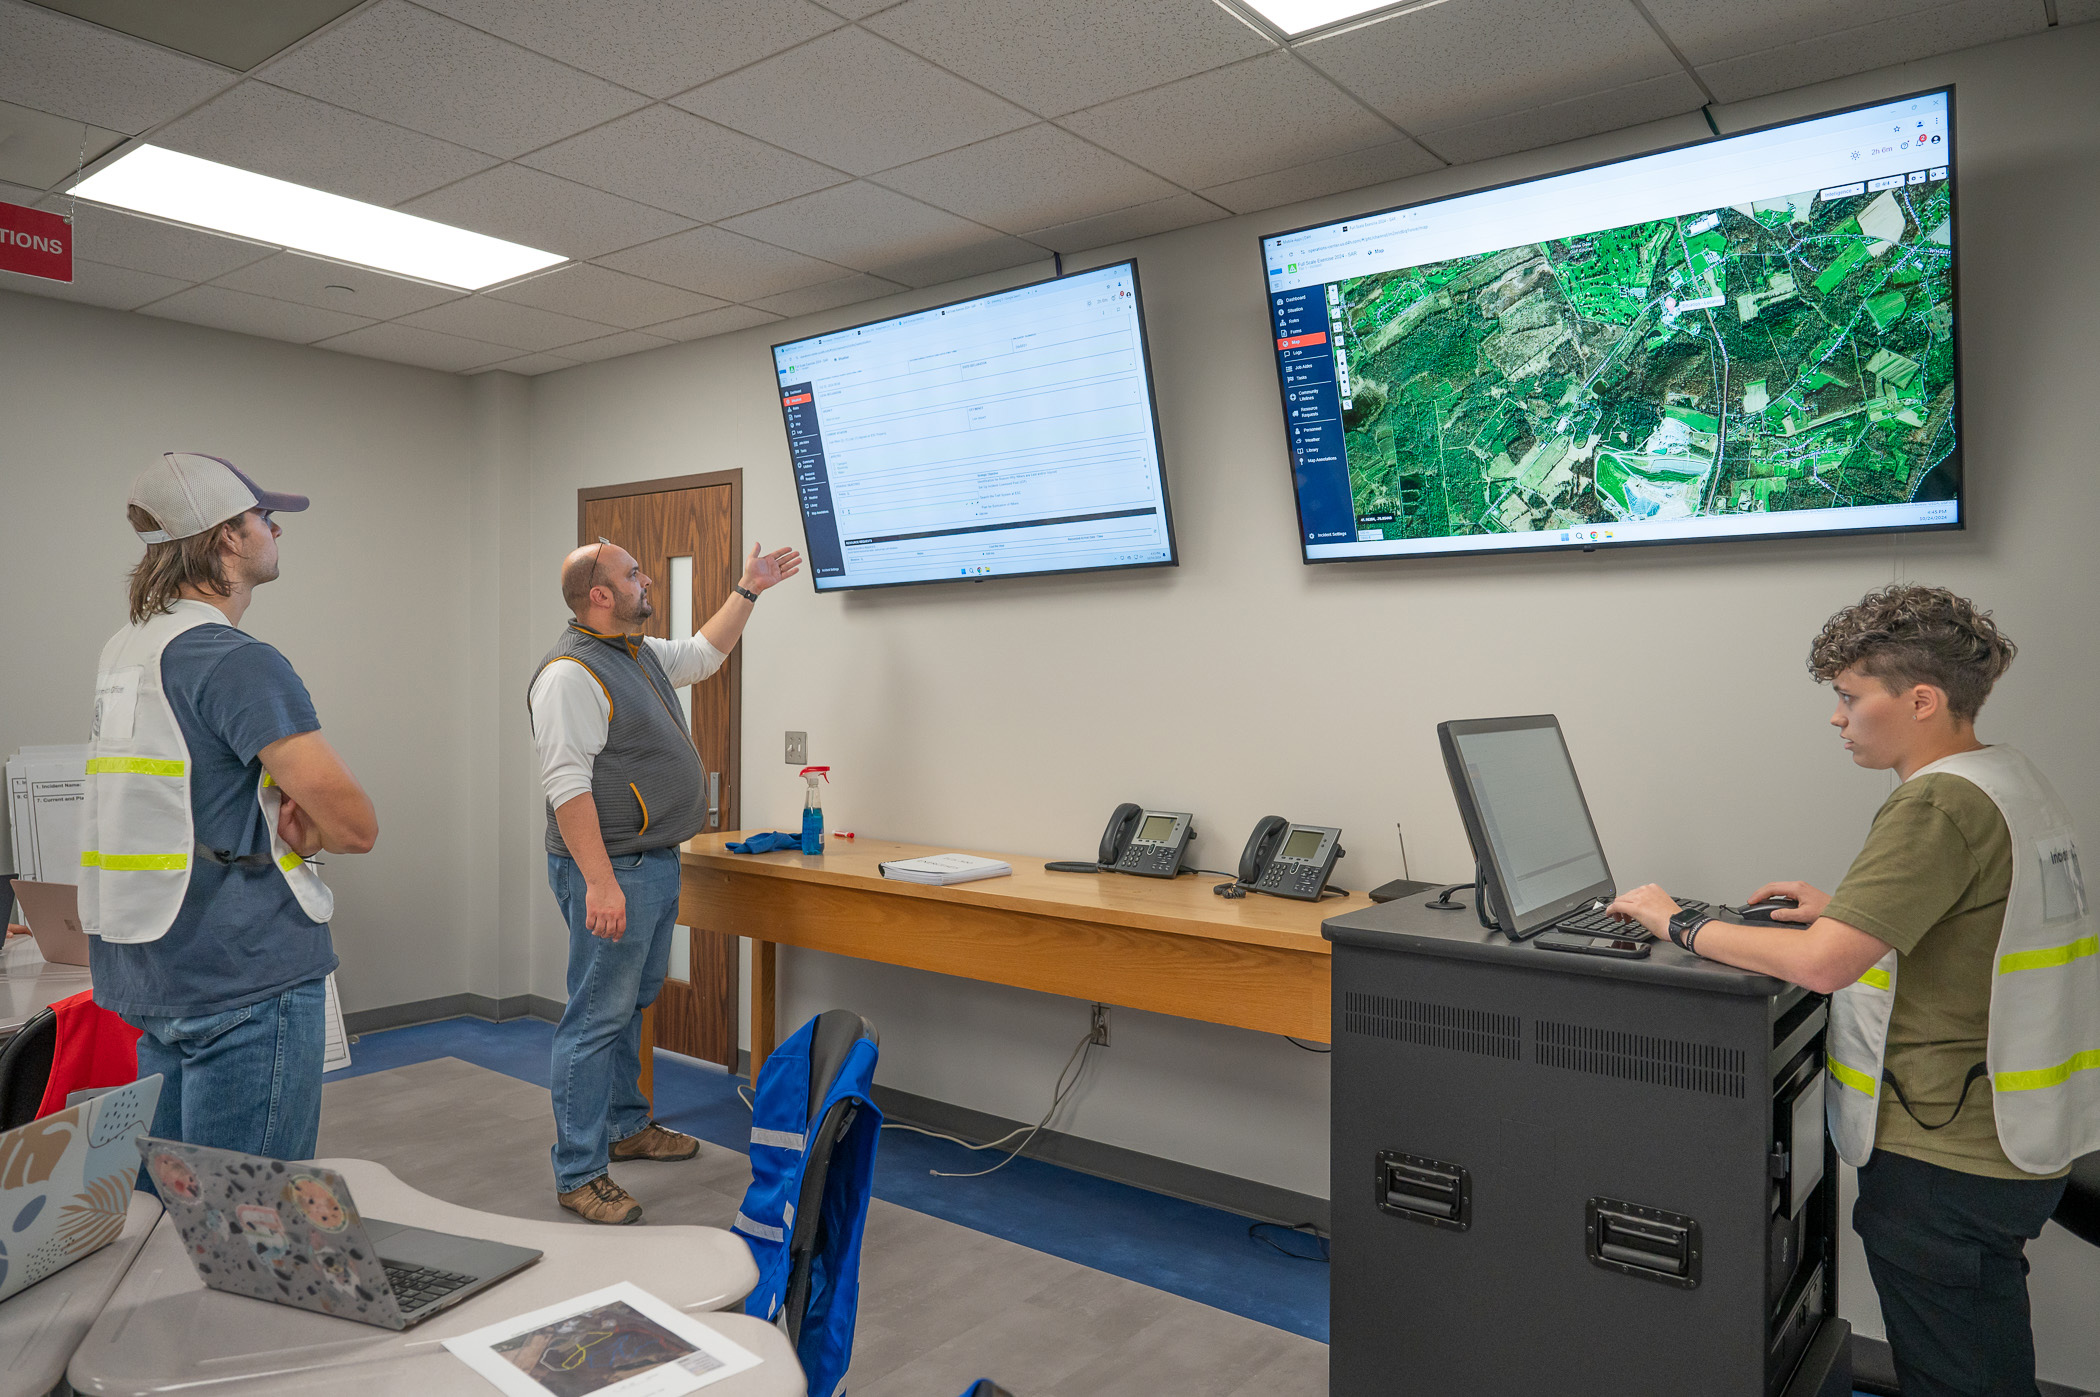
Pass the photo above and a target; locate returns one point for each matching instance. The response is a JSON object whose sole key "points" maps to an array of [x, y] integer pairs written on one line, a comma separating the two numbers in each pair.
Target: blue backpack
{"points": [[814, 1125]]}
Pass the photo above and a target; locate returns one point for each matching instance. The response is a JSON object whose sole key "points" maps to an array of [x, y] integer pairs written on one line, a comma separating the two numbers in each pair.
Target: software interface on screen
{"points": [[1013, 433], [1750, 336], [1531, 806]]}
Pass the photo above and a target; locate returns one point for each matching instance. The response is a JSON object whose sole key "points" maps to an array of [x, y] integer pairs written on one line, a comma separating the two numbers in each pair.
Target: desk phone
{"points": [[1149, 843], [1289, 860]]}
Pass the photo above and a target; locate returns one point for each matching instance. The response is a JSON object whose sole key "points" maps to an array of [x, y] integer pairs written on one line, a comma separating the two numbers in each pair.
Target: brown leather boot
{"points": [[652, 1141], [602, 1200]]}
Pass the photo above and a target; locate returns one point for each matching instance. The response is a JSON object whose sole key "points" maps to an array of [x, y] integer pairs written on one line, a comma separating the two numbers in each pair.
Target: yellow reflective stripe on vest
{"points": [[134, 766], [1877, 977], [288, 862], [132, 863], [2043, 1077], [2049, 956], [1852, 1077]]}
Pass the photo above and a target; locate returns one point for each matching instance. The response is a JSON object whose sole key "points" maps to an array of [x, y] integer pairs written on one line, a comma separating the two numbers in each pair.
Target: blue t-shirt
{"points": [[240, 936]]}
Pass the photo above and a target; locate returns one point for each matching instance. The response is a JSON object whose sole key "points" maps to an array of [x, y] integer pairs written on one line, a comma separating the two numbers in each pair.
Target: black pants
{"points": [[1947, 1251]]}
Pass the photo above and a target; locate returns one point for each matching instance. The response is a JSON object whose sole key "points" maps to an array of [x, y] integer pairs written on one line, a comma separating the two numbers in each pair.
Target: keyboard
{"points": [[1595, 921], [418, 1286]]}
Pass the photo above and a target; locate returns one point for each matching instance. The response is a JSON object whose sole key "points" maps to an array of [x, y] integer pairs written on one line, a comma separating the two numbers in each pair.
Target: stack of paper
{"points": [[46, 787], [946, 868]]}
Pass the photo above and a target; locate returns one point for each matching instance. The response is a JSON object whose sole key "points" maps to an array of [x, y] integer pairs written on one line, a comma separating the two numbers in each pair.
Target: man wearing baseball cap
{"points": [[209, 787]]}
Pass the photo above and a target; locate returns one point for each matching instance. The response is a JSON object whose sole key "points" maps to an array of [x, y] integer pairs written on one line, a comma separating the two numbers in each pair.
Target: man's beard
{"points": [[637, 610]]}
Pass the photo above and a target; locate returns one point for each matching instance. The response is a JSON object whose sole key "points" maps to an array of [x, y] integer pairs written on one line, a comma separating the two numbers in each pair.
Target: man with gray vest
{"points": [[624, 788]]}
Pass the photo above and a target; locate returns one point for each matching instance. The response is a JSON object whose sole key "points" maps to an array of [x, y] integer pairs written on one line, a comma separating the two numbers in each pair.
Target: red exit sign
{"points": [[35, 243]]}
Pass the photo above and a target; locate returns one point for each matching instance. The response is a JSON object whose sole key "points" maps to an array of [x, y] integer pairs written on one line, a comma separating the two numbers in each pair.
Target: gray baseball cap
{"points": [[187, 493]]}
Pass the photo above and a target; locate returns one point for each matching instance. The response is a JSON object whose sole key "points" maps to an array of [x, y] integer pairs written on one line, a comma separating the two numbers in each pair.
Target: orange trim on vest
{"points": [[645, 807], [594, 679]]}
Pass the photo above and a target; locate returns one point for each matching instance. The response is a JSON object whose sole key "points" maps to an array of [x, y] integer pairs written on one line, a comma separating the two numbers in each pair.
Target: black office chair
{"points": [[25, 1069], [836, 1032]]}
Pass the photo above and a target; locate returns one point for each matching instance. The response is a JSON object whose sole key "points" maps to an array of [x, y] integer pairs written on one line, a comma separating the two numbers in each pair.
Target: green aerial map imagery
{"points": [[1789, 354]]}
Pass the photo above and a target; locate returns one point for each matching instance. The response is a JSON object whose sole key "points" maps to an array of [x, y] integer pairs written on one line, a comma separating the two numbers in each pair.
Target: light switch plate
{"points": [[798, 749]]}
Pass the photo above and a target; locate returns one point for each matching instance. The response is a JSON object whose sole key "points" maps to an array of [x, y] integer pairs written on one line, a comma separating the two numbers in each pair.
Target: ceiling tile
{"points": [[1706, 33], [95, 284], [1125, 225], [1056, 56], [1670, 95], [146, 245], [531, 364], [716, 262], [993, 254], [2077, 11], [502, 322], [1874, 45], [292, 137], [440, 77], [254, 315], [71, 68], [405, 344], [313, 281], [675, 160], [236, 33], [1029, 178], [606, 296], [855, 9], [1230, 123], [855, 102], [859, 225], [612, 346], [38, 149], [1453, 64], [714, 322], [654, 46], [830, 295], [1316, 178], [539, 210]]}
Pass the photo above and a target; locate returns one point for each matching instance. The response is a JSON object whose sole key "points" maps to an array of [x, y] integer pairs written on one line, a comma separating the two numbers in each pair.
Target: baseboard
{"points": [[1874, 1371], [452, 1006]]}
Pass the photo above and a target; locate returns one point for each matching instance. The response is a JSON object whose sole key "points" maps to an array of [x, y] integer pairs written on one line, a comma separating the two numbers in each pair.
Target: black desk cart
{"points": [[1576, 1175]]}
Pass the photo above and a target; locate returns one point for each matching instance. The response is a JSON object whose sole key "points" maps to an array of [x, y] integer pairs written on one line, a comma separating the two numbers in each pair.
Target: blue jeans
{"points": [[598, 1044], [247, 1079]]}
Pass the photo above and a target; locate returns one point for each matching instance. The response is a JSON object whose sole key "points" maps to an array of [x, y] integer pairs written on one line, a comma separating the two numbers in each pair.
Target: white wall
{"points": [[980, 715]]}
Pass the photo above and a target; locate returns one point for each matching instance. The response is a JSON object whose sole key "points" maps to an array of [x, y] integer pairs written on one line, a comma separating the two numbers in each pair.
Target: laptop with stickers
{"points": [[66, 1180], [289, 1232]]}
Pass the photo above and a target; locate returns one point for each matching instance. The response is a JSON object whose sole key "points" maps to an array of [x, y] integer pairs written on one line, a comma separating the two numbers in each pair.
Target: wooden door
{"points": [[687, 533]]}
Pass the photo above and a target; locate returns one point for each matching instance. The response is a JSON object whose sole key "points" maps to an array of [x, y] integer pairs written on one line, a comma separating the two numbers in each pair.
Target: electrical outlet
{"points": [[798, 749], [1100, 1033]]}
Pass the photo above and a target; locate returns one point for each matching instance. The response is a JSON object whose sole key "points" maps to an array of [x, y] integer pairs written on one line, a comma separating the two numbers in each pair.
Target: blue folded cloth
{"points": [[766, 843]]}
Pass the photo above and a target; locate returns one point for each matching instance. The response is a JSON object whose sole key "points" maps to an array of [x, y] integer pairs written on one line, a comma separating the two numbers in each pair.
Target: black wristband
{"points": [[745, 592], [1691, 935]]}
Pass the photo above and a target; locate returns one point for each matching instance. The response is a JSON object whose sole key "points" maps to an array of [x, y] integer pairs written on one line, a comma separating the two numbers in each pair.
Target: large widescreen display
{"points": [[1751, 336], [1008, 434]]}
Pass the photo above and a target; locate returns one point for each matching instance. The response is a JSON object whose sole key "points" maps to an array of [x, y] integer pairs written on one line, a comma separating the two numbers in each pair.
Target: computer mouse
{"points": [[1761, 912]]}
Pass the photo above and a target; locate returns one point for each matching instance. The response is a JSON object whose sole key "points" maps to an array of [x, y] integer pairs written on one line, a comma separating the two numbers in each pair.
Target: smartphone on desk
{"points": [[1623, 947], [1289, 860]]}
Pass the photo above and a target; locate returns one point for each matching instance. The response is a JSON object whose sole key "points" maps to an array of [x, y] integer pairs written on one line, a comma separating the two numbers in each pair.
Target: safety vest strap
{"points": [[2049, 957], [1877, 977], [132, 863], [2043, 1077], [135, 766], [1859, 1081]]}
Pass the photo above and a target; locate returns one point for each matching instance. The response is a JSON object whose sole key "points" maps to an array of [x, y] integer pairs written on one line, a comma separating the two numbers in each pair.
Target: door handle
{"points": [[714, 799]]}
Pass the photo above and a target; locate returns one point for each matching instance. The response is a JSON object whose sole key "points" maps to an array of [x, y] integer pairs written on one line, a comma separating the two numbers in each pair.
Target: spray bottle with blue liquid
{"points": [[813, 810]]}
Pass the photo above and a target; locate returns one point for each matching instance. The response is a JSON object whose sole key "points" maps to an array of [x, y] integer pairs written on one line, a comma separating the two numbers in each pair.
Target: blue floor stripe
{"points": [[1184, 1248]]}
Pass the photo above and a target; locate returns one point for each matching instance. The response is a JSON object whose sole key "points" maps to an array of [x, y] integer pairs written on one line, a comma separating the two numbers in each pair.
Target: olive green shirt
{"points": [[1932, 883]]}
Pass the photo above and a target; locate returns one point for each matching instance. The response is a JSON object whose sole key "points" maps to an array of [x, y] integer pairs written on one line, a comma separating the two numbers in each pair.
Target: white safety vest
{"points": [[2043, 1051], [138, 834]]}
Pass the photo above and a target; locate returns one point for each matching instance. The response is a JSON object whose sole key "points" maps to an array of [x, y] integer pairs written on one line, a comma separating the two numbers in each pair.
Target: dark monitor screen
{"points": [[1524, 811]]}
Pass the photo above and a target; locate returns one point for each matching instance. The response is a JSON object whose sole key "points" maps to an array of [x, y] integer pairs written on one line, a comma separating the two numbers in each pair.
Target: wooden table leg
{"points": [[648, 1078], [764, 985]]}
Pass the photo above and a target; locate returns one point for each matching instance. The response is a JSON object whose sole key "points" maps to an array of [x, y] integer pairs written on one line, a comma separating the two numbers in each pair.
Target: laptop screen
{"points": [[1517, 787]]}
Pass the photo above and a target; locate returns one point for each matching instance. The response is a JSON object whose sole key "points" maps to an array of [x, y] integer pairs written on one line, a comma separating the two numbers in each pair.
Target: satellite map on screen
{"points": [[1795, 353]]}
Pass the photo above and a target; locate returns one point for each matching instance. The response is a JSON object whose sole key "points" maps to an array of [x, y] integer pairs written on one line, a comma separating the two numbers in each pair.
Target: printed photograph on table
{"points": [[617, 1342]]}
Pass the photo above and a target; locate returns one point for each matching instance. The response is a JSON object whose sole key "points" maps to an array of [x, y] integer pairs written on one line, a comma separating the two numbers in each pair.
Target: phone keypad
{"points": [[1150, 860], [1290, 880]]}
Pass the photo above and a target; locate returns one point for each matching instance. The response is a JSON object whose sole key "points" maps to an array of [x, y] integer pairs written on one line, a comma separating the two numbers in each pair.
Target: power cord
{"points": [[1057, 1099], [1307, 1046], [1293, 1229]]}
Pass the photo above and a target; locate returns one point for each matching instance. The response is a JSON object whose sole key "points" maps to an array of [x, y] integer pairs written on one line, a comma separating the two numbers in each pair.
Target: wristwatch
{"points": [[745, 592], [1684, 928]]}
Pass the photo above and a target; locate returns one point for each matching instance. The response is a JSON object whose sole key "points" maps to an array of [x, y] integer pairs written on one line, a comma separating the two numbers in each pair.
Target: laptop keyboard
{"points": [[1597, 922], [417, 1286]]}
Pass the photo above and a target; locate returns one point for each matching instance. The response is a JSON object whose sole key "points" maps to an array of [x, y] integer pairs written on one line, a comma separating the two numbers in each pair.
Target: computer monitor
{"points": [[998, 436], [1533, 840], [1748, 337]]}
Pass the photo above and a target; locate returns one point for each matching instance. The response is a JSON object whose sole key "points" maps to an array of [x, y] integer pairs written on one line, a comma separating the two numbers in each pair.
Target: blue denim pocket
{"points": [[199, 1028]]}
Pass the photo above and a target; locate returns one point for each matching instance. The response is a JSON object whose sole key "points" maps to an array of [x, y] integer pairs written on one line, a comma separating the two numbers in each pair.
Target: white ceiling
{"points": [[717, 164]]}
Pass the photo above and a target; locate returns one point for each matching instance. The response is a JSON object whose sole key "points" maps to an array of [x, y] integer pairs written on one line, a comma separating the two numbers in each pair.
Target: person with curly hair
{"points": [[1964, 1041]]}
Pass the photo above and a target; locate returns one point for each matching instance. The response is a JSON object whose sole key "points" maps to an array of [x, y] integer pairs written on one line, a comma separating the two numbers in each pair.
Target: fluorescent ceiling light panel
{"points": [[184, 189], [1296, 17]]}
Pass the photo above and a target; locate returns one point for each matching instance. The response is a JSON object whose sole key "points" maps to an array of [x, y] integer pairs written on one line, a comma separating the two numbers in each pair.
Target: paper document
{"points": [[46, 788], [619, 1342], [335, 1051], [946, 868]]}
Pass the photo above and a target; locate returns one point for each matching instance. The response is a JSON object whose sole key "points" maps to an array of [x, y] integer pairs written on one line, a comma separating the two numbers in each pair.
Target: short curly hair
{"points": [[1904, 634]]}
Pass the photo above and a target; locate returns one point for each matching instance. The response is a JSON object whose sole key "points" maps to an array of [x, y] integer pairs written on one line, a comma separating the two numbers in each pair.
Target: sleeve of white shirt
{"points": [[571, 716], [686, 661]]}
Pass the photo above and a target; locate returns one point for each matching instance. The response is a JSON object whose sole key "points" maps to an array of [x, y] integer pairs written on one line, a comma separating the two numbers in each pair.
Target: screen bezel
{"points": [[1159, 450], [1961, 498], [1493, 891]]}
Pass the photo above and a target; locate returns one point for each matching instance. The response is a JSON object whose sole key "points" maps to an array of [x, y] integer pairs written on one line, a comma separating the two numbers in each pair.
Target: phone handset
{"points": [[1287, 860], [1115, 839]]}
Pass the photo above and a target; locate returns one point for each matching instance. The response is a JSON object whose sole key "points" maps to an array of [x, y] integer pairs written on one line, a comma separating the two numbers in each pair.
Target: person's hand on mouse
{"points": [[1649, 905], [1810, 901]]}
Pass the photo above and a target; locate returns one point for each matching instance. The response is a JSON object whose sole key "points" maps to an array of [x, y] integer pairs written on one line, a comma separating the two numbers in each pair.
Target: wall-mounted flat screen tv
{"points": [[1749, 337], [1004, 435]]}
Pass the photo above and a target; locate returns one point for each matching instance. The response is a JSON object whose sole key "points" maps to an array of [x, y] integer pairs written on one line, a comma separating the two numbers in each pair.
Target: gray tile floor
{"points": [[941, 1305]]}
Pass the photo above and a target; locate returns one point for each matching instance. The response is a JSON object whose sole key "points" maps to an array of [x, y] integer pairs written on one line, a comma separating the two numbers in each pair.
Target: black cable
{"points": [[1442, 901], [1307, 1046], [1296, 1229]]}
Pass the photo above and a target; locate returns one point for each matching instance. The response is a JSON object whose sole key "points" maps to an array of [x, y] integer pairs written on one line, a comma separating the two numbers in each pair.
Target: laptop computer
{"points": [[66, 1180], [289, 1233], [52, 913], [1541, 867]]}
